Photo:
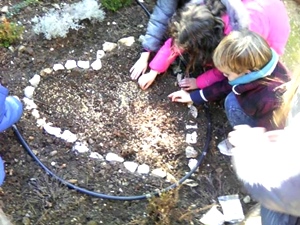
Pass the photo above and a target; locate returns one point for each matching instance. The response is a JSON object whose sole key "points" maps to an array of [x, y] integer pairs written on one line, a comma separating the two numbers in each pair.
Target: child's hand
{"points": [[147, 79], [180, 96], [140, 66], [188, 84]]}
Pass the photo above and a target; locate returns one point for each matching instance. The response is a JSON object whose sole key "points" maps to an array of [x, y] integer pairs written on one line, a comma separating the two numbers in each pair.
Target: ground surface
{"points": [[109, 113]]}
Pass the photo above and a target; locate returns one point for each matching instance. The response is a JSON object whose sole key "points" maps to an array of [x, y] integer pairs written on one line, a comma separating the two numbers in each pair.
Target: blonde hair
{"points": [[241, 51], [281, 114]]}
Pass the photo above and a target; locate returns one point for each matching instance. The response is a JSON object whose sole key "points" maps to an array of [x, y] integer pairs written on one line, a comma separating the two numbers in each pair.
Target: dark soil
{"points": [[109, 113]]}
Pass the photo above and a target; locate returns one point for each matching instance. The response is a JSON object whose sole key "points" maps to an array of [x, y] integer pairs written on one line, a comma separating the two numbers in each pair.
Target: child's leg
{"points": [[234, 112], [269, 217]]}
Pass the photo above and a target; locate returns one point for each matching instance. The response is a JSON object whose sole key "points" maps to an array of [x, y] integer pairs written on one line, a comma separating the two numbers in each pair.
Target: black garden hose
{"points": [[112, 197]]}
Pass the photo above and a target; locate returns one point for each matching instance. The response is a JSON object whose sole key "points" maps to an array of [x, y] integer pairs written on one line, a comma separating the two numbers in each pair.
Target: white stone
{"points": [[83, 64], [96, 155], [56, 131], [80, 147], [247, 199], [193, 111], [190, 152], [70, 64], [58, 66], [68, 136], [35, 80], [159, 173], [4, 9], [191, 138], [100, 54], [190, 183], [41, 122], [96, 65], [127, 41], [194, 126], [192, 163], [29, 103], [131, 166], [141, 38], [213, 217], [46, 71], [29, 92], [35, 113], [109, 46], [143, 169], [112, 157]]}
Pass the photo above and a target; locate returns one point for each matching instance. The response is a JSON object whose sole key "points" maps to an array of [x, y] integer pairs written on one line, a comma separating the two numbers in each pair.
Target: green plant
{"points": [[115, 5], [9, 33]]}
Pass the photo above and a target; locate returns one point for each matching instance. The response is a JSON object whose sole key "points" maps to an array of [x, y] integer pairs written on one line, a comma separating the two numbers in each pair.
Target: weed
{"points": [[115, 5], [18, 7], [10, 32]]}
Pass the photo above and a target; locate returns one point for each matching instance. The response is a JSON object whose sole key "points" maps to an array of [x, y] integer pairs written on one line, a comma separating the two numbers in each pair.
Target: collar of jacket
{"points": [[238, 14], [265, 71]]}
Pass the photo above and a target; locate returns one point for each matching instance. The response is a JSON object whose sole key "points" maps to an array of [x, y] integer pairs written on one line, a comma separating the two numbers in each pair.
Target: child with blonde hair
{"points": [[253, 73]]}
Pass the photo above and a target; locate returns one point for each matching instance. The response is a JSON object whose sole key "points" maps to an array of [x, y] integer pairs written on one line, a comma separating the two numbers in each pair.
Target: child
{"points": [[11, 110], [156, 31], [267, 163], [198, 35], [253, 76]]}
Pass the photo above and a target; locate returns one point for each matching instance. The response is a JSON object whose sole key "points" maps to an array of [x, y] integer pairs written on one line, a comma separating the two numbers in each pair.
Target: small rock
{"points": [[127, 41], [96, 65], [96, 155], [131, 166], [58, 66], [53, 153], [4, 9], [112, 157], [192, 163], [35, 113], [70, 64], [109, 46], [29, 103], [191, 138], [100, 54], [191, 126], [143, 169], [35, 80], [83, 64], [56, 131], [80, 147], [159, 173], [190, 152], [29, 91], [68, 136], [193, 111], [46, 71], [247, 199]]}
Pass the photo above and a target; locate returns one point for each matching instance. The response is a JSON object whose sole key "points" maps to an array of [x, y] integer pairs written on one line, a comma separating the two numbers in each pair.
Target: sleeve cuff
{"points": [[197, 98]]}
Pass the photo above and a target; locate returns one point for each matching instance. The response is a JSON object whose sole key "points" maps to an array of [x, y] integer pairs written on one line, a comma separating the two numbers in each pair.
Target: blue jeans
{"points": [[270, 217], [235, 114]]}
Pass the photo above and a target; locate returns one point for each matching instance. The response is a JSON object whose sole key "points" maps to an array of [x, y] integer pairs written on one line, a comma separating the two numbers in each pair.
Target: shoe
{"points": [[2, 171], [12, 114], [225, 147]]}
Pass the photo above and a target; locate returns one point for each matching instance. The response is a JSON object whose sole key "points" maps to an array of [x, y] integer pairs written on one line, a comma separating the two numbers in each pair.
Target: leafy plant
{"points": [[115, 5], [9, 33], [18, 7]]}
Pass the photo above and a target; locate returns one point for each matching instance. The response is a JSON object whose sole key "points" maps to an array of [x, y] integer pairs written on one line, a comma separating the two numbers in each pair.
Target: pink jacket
{"points": [[268, 18]]}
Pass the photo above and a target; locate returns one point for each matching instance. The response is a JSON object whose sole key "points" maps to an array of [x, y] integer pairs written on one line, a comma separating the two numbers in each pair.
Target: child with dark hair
{"points": [[197, 30], [11, 110], [253, 73]]}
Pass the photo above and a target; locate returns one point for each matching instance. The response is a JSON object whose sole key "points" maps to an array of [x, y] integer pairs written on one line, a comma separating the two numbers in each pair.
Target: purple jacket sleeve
{"points": [[3, 95], [164, 57]]}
